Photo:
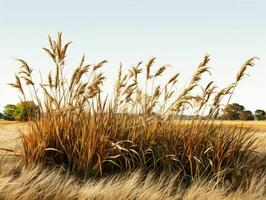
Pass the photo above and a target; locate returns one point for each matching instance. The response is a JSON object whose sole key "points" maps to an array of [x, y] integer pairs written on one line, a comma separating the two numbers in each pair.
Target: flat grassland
{"points": [[9, 130], [38, 183], [254, 125], [9, 134], [257, 125]]}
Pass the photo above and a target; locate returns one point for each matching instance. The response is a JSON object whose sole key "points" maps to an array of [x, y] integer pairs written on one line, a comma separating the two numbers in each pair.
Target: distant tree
{"points": [[260, 114], [25, 110], [232, 111], [10, 111], [1, 116], [246, 115]]}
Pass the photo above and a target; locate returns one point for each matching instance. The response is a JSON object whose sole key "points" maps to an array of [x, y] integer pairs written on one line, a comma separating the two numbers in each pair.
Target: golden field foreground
{"points": [[36, 182], [256, 125], [9, 131]]}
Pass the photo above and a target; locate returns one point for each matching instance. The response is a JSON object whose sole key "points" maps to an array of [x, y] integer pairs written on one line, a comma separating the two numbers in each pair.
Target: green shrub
{"points": [[10, 111], [246, 115], [22, 111], [26, 110], [233, 111], [260, 114], [1, 116]]}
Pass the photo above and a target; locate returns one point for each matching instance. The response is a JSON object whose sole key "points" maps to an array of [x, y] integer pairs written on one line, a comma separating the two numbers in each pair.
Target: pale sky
{"points": [[177, 32]]}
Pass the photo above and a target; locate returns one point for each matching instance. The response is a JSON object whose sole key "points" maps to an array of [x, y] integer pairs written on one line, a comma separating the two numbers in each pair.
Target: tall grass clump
{"points": [[139, 128]]}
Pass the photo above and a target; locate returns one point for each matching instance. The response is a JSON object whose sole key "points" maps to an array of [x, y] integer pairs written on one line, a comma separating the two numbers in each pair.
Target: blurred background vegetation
{"points": [[234, 111], [20, 112]]}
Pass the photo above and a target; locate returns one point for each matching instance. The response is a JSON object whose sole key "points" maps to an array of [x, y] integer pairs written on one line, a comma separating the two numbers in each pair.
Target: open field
{"points": [[84, 145], [255, 125], [133, 100], [37, 183], [9, 134], [9, 130], [259, 128]]}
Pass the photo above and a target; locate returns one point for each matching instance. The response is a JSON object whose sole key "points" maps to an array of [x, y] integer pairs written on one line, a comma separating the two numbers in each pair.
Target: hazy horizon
{"points": [[179, 33]]}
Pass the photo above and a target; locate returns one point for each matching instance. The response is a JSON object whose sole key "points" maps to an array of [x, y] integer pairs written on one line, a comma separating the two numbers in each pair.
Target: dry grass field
{"points": [[36, 182], [9, 134], [80, 144], [258, 127], [9, 130], [255, 125]]}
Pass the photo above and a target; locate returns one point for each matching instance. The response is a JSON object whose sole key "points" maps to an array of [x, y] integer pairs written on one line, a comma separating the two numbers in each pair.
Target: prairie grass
{"points": [[254, 125], [132, 134], [35, 182]]}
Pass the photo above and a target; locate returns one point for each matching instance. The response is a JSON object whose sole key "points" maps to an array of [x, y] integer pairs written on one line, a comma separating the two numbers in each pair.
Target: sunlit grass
{"points": [[91, 137]]}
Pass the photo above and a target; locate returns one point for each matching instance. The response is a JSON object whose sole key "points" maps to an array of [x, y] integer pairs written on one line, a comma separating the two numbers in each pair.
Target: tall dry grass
{"points": [[18, 182], [91, 136]]}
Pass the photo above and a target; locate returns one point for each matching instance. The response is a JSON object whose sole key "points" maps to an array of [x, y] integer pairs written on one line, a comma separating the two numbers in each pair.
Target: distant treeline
{"points": [[234, 111], [22, 111]]}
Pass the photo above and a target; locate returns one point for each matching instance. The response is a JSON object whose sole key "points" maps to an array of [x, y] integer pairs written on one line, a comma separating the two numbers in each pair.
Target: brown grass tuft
{"points": [[91, 137]]}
